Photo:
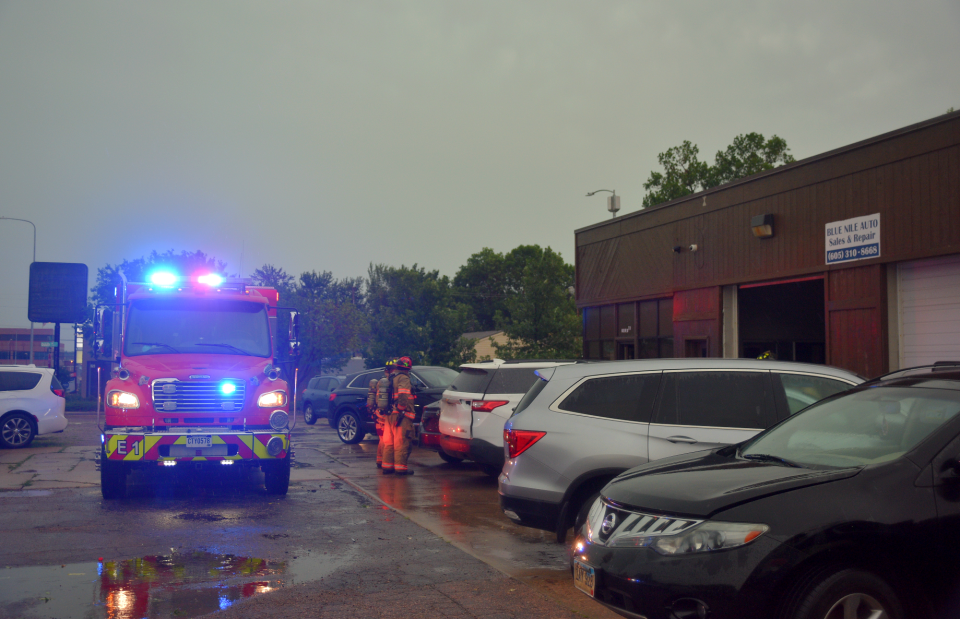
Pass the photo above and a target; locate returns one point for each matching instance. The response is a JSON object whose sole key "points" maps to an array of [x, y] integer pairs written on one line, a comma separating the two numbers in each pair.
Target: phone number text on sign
{"points": [[852, 239], [855, 253]]}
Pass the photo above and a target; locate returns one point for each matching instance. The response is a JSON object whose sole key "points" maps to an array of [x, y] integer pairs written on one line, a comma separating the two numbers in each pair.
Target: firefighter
{"points": [[399, 424], [375, 410], [378, 401]]}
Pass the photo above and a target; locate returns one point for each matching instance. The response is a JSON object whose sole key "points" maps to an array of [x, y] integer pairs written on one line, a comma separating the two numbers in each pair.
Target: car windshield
{"points": [[436, 378], [867, 427], [204, 326]]}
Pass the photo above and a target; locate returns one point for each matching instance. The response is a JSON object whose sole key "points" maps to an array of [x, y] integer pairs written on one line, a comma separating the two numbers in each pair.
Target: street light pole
{"points": [[34, 260], [613, 202]]}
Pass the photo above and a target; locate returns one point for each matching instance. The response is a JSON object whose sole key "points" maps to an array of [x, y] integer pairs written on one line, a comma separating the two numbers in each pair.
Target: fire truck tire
{"points": [[350, 428], [309, 415], [276, 476], [113, 479]]}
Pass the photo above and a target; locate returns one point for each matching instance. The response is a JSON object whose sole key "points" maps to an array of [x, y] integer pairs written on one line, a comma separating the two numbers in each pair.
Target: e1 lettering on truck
{"points": [[193, 379]]}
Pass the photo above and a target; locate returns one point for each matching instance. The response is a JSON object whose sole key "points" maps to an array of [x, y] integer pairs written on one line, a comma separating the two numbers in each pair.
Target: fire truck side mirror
{"points": [[102, 325], [98, 347], [294, 326], [294, 348]]}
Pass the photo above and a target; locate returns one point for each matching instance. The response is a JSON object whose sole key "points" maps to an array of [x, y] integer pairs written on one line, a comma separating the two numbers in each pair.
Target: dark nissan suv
{"points": [[348, 408], [847, 509]]}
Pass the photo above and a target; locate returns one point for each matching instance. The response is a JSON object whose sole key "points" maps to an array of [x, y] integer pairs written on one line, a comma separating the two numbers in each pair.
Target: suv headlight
{"points": [[122, 399], [709, 536], [272, 399]]}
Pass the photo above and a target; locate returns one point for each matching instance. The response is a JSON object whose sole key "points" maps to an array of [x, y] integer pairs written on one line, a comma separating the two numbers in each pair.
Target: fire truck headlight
{"points": [[278, 420], [275, 446], [272, 398], [122, 399]]}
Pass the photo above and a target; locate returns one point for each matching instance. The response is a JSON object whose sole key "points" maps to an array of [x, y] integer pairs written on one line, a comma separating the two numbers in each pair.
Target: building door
{"points": [[929, 311], [783, 320]]}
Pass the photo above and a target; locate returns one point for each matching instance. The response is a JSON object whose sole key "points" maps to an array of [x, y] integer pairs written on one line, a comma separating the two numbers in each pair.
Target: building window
{"points": [[642, 330]]}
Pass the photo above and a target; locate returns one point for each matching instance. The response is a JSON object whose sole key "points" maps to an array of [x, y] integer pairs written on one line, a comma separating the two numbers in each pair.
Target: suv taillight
{"points": [[518, 441], [57, 392], [486, 406]]}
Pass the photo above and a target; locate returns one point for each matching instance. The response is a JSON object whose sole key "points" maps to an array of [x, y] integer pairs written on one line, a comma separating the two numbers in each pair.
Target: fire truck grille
{"points": [[198, 396]]}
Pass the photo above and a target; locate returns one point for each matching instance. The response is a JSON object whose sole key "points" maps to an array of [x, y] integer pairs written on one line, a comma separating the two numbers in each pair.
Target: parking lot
{"points": [[54, 516]]}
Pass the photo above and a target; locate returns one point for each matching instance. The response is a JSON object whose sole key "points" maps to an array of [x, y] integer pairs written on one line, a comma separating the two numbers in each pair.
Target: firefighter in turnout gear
{"points": [[399, 423], [380, 414]]}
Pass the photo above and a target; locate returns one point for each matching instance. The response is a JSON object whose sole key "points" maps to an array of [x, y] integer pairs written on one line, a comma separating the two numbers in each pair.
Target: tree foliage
{"points": [[543, 322], [684, 174], [412, 312], [139, 269], [333, 323]]}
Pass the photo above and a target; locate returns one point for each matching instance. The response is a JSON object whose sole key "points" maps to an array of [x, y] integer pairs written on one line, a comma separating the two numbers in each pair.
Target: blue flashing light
{"points": [[227, 388], [210, 279], [103, 439], [163, 278]]}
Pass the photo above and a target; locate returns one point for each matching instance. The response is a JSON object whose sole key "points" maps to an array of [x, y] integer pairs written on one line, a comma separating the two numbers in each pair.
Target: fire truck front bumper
{"points": [[161, 447]]}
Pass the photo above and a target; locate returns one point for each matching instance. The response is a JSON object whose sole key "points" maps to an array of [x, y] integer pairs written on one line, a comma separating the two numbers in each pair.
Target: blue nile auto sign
{"points": [[853, 239]]}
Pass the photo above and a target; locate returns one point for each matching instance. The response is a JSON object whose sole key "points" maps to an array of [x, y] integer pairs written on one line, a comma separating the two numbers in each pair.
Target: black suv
{"points": [[849, 508], [348, 408]]}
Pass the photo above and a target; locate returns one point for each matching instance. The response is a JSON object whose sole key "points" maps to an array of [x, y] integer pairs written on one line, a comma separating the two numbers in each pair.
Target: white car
{"points": [[475, 406], [31, 403]]}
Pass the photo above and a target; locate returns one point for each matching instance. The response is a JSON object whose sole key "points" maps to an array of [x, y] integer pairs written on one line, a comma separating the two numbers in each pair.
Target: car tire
{"points": [[113, 478], [449, 459], [309, 415], [276, 476], [17, 431], [844, 593], [350, 428], [584, 511]]}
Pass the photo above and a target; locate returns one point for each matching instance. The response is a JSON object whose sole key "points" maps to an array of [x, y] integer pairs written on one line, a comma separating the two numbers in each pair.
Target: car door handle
{"points": [[681, 439]]}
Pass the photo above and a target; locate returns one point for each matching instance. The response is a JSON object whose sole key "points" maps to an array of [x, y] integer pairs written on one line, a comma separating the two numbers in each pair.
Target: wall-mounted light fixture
{"points": [[762, 226]]}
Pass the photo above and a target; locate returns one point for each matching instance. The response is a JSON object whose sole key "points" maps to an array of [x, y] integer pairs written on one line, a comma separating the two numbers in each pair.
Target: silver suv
{"points": [[31, 403], [581, 425]]}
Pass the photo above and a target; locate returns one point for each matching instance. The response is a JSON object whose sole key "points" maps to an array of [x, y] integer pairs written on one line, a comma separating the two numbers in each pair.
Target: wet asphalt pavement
{"points": [[345, 542]]}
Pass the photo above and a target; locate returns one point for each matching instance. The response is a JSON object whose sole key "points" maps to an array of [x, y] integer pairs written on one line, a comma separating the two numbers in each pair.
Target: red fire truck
{"points": [[193, 380]]}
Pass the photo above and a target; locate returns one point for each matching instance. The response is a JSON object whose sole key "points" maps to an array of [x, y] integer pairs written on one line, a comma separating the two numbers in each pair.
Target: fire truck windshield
{"points": [[197, 326]]}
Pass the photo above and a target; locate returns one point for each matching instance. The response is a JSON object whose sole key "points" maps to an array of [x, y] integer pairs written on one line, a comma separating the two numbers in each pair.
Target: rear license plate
{"points": [[199, 441], [584, 577]]}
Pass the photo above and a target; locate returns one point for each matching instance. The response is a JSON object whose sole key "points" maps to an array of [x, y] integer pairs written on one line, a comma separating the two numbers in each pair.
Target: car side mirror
{"points": [[951, 469]]}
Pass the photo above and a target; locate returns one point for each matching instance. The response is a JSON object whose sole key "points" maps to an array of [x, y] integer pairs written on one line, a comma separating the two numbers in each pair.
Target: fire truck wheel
{"points": [[276, 476], [309, 415], [350, 428], [113, 479], [16, 431]]}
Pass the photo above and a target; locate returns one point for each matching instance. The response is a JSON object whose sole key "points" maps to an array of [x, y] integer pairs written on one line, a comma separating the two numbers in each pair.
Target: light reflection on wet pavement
{"points": [[176, 585]]}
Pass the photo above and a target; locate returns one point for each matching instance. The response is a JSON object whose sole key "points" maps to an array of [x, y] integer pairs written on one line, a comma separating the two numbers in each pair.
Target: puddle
{"points": [[180, 585]]}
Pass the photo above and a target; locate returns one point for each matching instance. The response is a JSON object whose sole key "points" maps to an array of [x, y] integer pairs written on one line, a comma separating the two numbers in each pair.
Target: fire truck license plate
{"points": [[199, 441], [584, 577]]}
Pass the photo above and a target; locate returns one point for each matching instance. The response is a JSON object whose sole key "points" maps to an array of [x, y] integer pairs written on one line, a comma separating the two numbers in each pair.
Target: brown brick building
{"points": [[862, 270]]}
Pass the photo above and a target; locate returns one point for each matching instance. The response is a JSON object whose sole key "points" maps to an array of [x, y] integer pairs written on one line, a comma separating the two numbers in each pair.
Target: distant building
{"points": [[15, 347], [485, 341]]}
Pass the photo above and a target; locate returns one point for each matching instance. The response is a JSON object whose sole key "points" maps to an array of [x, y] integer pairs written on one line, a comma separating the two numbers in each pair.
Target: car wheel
{"points": [[16, 431], [309, 416], [584, 511], [276, 476], [845, 593], [449, 459], [113, 478], [349, 428]]}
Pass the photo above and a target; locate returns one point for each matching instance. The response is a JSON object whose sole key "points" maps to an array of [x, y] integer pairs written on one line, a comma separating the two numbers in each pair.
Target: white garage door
{"points": [[929, 311]]}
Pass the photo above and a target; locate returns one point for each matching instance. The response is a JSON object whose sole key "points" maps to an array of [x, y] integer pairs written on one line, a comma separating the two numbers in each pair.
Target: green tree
{"points": [[543, 323], [412, 312], [481, 283], [269, 275], [332, 320], [684, 173]]}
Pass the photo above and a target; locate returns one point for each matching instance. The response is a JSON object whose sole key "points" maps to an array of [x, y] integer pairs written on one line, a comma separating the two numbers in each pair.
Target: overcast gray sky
{"points": [[332, 135]]}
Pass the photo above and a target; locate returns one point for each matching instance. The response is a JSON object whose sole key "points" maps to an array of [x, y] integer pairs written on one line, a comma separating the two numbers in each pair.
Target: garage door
{"points": [[929, 311]]}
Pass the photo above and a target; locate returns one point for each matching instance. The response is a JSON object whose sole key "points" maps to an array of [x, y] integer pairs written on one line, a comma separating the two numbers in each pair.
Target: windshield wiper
{"points": [[770, 458], [158, 344], [230, 346]]}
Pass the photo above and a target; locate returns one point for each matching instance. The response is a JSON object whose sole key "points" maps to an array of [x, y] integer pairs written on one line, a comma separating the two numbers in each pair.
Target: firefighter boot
{"points": [[402, 445]]}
